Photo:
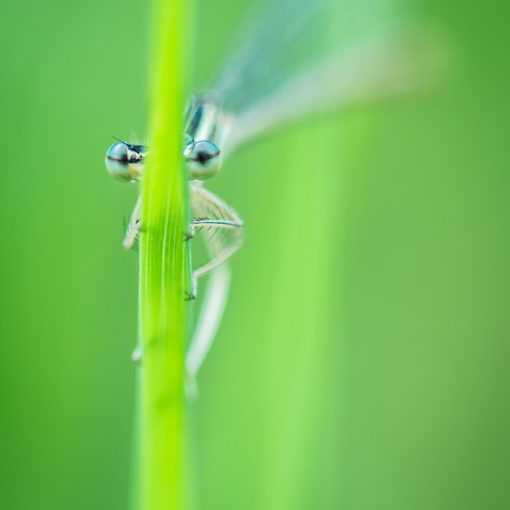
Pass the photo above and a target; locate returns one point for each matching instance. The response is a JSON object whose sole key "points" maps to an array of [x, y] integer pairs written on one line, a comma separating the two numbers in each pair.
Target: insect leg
{"points": [[134, 226], [222, 231], [220, 251], [215, 300]]}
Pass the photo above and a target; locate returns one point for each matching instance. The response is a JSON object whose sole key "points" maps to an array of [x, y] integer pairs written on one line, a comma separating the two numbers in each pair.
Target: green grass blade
{"points": [[163, 281]]}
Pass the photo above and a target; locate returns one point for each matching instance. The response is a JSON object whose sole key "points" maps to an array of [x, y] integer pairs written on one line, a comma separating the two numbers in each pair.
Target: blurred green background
{"points": [[363, 360]]}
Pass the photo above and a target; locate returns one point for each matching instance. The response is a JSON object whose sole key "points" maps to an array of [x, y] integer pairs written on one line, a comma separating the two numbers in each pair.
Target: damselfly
{"points": [[281, 73]]}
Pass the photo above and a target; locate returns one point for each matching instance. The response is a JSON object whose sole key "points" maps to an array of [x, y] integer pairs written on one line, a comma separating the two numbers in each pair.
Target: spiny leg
{"points": [[213, 217]]}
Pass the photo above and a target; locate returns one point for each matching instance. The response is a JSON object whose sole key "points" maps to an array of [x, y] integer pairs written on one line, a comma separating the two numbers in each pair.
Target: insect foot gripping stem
{"points": [[188, 236], [191, 295]]}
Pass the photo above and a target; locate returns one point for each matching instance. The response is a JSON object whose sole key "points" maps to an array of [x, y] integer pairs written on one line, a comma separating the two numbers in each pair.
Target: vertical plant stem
{"points": [[163, 273]]}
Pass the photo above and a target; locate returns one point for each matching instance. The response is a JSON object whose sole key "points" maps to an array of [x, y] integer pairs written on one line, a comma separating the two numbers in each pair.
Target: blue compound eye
{"points": [[118, 152], [118, 162], [204, 159]]}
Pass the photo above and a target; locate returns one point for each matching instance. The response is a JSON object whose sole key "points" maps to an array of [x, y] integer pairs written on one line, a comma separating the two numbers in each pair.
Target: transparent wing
{"points": [[282, 37], [384, 65], [266, 49], [302, 56]]}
